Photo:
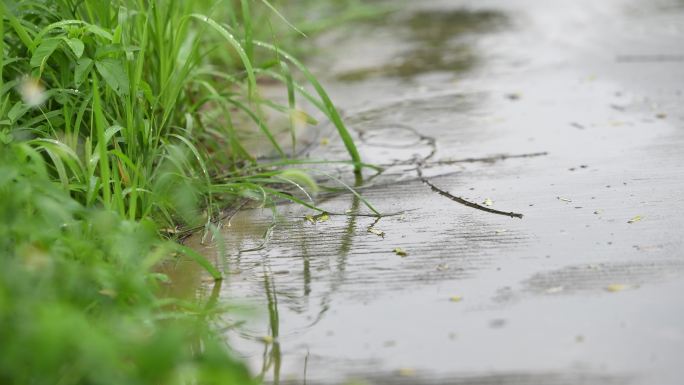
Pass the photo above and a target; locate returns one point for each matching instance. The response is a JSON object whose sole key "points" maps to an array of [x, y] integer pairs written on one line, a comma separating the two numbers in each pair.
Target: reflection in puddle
{"points": [[272, 355], [437, 42], [307, 273]]}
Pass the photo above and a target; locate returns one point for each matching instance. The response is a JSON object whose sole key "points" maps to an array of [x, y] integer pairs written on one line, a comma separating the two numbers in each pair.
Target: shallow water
{"points": [[570, 294]]}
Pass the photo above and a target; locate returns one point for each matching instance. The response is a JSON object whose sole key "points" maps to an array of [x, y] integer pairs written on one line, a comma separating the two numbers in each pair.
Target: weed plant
{"points": [[120, 119]]}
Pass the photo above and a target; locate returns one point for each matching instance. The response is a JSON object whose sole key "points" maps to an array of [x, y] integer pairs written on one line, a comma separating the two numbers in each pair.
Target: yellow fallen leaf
{"points": [[488, 202], [400, 252], [310, 218], [322, 217], [456, 298], [635, 219], [614, 288], [407, 372], [267, 339]]}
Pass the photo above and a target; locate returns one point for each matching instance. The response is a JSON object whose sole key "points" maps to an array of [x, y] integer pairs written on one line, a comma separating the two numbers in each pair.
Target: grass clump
{"points": [[120, 121], [129, 100]]}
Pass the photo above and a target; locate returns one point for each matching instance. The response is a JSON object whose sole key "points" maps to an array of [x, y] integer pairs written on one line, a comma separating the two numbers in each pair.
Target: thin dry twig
{"points": [[460, 200]]}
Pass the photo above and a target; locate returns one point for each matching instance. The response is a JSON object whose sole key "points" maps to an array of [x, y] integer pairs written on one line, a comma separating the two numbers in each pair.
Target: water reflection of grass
{"points": [[272, 358]]}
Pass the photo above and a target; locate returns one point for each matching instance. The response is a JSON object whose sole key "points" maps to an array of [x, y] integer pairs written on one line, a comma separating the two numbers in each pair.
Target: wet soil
{"points": [[569, 113]]}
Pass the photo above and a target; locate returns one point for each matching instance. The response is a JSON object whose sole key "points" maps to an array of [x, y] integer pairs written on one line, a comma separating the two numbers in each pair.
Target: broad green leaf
{"points": [[112, 71], [300, 178], [107, 50], [43, 52], [99, 31], [76, 46], [83, 67]]}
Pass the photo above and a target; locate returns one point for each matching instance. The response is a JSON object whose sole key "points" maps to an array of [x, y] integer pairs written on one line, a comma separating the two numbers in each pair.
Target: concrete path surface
{"points": [[568, 112]]}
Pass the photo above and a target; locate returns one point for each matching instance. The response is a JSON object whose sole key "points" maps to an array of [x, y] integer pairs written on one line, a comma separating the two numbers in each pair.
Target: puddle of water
{"points": [[337, 303], [429, 41]]}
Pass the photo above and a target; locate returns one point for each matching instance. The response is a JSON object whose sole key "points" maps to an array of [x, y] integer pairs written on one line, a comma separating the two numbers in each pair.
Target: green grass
{"points": [[122, 121], [135, 88]]}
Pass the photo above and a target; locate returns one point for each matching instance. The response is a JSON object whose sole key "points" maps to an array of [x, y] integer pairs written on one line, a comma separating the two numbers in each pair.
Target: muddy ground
{"points": [[586, 288]]}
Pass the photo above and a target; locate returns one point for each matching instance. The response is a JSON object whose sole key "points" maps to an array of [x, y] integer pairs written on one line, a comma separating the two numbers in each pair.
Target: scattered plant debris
{"points": [[313, 219], [267, 340], [635, 219], [460, 200], [407, 372], [377, 232], [616, 287]]}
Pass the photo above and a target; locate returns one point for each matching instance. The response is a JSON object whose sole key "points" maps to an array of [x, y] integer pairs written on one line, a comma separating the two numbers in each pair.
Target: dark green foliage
{"points": [[78, 302]]}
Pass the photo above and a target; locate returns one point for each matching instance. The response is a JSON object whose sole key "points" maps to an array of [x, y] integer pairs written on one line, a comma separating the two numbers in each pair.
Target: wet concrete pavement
{"points": [[588, 288]]}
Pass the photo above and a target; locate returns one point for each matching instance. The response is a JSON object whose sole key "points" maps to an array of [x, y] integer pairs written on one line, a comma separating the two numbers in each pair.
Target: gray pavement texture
{"points": [[587, 288]]}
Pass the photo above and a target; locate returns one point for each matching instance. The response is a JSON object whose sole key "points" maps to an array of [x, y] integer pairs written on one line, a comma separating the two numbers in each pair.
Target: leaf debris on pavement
{"points": [[377, 232], [313, 219], [616, 287], [635, 219]]}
